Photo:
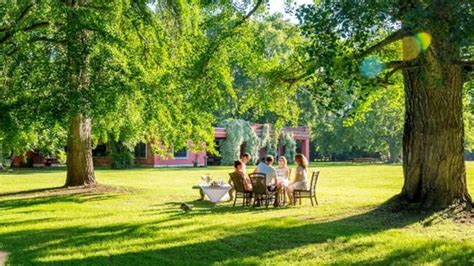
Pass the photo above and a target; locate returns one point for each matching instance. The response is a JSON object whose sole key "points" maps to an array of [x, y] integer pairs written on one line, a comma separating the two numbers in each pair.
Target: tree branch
{"points": [[464, 62], [249, 14], [20, 18], [295, 79], [9, 33], [24, 12], [390, 74], [37, 39], [216, 45], [397, 35], [305, 72], [396, 66], [468, 65], [35, 26], [47, 39], [6, 37]]}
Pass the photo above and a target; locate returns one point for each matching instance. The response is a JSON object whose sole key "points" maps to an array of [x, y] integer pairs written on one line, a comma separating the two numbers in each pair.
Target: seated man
{"points": [[265, 167], [271, 176]]}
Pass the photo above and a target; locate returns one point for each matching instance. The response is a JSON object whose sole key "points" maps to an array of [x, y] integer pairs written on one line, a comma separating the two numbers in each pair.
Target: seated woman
{"points": [[239, 169], [301, 177], [283, 172]]}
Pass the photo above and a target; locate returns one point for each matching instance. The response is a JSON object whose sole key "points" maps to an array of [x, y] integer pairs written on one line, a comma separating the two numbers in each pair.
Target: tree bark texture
{"points": [[80, 167], [433, 141]]}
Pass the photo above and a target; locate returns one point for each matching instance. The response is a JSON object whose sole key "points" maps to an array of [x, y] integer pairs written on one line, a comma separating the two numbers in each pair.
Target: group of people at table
{"points": [[277, 178]]}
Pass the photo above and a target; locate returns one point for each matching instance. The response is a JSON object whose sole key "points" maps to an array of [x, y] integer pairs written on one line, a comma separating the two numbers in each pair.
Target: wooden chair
{"points": [[311, 193], [260, 190], [240, 191]]}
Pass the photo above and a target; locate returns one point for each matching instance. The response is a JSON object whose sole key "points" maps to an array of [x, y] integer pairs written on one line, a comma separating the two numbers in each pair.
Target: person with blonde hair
{"points": [[301, 177], [283, 172]]}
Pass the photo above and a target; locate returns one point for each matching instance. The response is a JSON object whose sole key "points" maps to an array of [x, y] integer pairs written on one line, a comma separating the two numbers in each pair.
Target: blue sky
{"points": [[279, 6]]}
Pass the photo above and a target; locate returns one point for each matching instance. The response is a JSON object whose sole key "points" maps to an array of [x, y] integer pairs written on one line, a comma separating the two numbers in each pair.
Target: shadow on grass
{"points": [[31, 171], [31, 191], [17, 204], [204, 207], [84, 245], [23, 199]]}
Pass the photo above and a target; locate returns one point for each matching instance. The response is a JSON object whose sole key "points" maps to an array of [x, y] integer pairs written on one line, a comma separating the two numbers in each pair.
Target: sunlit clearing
{"points": [[371, 67]]}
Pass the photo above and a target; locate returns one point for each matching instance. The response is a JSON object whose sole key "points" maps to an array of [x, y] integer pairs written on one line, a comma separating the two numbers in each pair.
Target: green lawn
{"points": [[139, 222]]}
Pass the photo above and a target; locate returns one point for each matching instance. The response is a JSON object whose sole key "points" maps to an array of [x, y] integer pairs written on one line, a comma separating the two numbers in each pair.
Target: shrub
{"points": [[122, 156]]}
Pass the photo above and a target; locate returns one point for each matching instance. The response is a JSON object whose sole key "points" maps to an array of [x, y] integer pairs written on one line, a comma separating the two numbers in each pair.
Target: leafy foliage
{"points": [[239, 132], [469, 116], [287, 140], [156, 73], [268, 142], [121, 155], [376, 125], [354, 50]]}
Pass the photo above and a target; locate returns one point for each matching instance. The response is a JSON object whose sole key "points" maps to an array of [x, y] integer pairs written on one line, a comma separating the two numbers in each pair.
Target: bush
{"points": [[122, 157]]}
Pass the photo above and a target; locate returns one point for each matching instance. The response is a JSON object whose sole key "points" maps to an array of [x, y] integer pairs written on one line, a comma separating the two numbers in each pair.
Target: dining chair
{"points": [[239, 188], [298, 194]]}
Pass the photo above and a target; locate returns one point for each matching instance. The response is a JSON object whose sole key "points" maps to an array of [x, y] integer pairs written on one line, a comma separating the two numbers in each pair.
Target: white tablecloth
{"points": [[215, 194]]}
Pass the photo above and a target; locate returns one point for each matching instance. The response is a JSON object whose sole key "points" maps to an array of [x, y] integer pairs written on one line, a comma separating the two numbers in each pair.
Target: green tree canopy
{"points": [[85, 72], [355, 47]]}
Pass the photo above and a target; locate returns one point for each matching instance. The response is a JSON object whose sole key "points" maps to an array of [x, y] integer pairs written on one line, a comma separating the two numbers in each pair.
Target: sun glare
{"points": [[371, 67], [413, 46]]}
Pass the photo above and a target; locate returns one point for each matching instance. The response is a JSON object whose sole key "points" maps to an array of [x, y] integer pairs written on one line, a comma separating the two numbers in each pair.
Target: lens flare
{"points": [[371, 67], [413, 46], [424, 40]]}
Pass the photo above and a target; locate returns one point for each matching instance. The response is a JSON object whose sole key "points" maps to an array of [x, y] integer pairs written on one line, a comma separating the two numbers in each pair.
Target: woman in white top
{"points": [[301, 177], [283, 172]]}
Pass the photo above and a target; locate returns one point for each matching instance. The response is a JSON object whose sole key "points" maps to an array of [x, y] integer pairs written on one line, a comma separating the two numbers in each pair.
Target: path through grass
{"points": [[135, 219]]}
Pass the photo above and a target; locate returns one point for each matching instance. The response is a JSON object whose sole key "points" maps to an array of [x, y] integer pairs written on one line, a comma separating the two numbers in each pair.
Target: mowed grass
{"points": [[141, 223]]}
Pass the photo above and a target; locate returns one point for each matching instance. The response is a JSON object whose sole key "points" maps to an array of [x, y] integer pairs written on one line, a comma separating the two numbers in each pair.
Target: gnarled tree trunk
{"points": [[80, 167], [433, 141]]}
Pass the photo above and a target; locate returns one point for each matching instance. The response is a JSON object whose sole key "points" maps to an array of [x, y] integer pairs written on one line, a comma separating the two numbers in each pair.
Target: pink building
{"points": [[184, 157]]}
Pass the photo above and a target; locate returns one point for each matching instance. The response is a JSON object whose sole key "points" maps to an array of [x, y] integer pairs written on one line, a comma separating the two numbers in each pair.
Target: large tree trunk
{"points": [[80, 168], [433, 150]]}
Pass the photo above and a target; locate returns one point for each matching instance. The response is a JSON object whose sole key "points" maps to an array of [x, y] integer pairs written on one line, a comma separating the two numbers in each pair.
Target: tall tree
{"points": [[435, 59], [96, 69], [119, 70]]}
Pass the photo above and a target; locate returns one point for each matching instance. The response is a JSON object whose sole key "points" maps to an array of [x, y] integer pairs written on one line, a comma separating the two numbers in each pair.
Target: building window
{"points": [[181, 154], [100, 151], [140, 150]]}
